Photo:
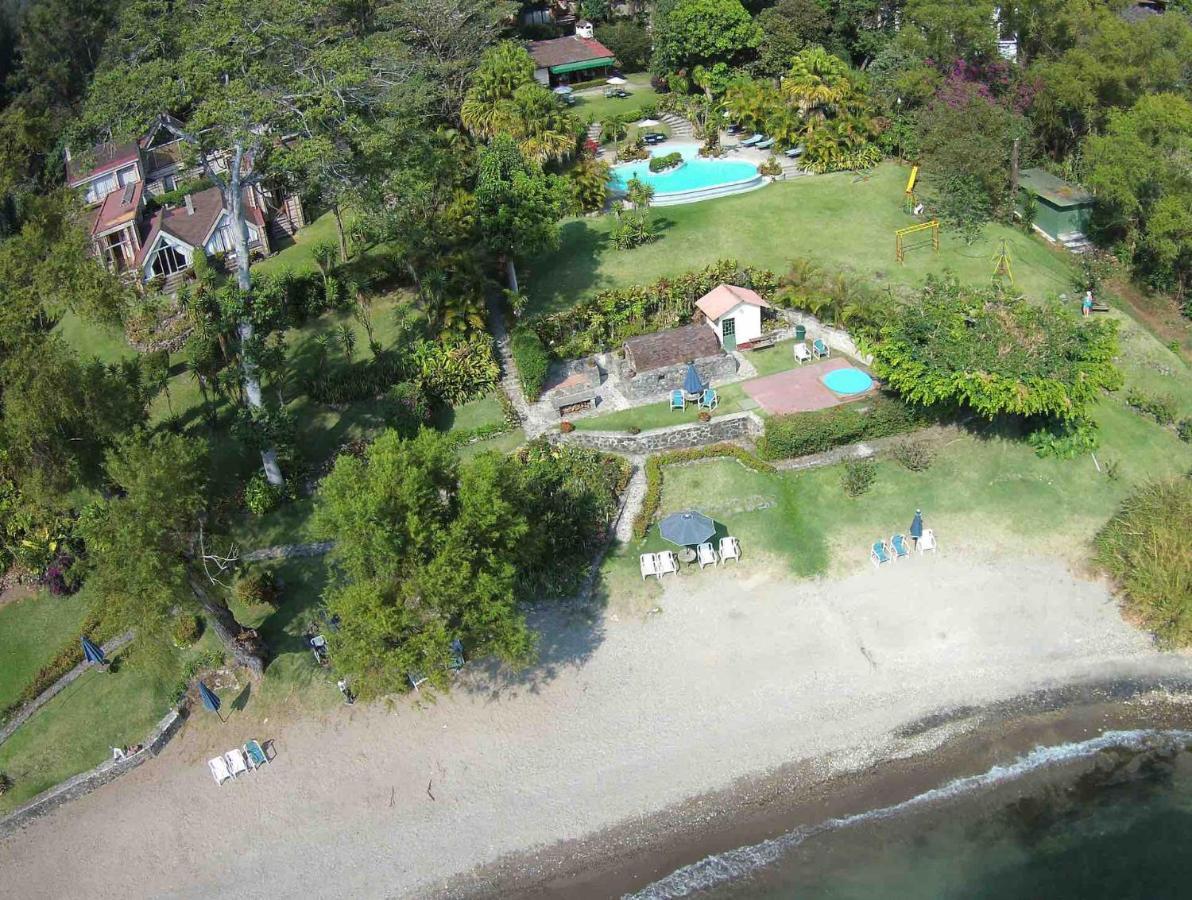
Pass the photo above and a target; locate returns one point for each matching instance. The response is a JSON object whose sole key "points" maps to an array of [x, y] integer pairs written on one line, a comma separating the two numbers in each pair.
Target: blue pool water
{"points": [[848, 381], [693, 174]]}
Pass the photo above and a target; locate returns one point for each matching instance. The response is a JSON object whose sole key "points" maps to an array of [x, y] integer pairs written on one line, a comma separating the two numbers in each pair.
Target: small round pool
{"points": [[847, 381]]}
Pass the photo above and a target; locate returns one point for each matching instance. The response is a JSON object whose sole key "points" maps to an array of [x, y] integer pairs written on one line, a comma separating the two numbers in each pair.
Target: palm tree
{"points": [[502, 70], [543, 129], [818, 82]]}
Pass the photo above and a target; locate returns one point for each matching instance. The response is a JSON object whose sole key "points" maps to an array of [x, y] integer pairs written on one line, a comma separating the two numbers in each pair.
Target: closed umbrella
{"points": [[687, 529], [917, 525], [210, 700], [692, 383], [92, 653]]}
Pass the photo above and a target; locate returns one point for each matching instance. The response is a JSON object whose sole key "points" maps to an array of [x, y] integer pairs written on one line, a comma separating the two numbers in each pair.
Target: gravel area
{"points": [[736, 674]]}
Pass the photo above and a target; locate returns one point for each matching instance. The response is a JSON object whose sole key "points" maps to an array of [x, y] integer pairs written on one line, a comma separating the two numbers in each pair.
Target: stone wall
{"points": [[646, 386], [733, 427], [86, 782]]}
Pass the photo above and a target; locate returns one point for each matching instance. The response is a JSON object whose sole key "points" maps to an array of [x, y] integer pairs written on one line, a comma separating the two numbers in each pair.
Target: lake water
{"points": [[1109, 817]]}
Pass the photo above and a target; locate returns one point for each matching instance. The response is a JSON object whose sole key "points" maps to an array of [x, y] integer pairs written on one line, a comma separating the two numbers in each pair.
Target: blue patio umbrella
{"points": [[92, 653], [917, 525], [209, 699], [692, 383], [687, 528]]}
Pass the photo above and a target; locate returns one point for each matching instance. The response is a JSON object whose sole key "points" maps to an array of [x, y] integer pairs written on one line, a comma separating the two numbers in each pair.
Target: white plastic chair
{"points": [[649, 564], [927, 541], [668, 564], [237, 764], [802, 354], [219, 769], [730, 548], [706, 555]]}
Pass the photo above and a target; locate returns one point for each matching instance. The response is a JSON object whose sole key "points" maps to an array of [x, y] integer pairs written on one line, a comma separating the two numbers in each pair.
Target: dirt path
{"points": [[735, 674]]}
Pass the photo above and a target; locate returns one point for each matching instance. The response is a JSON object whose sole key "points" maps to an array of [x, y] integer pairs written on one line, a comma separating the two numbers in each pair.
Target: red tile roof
{"points": [[118, 208], [194, 228], [560, 51], [725, 297]]}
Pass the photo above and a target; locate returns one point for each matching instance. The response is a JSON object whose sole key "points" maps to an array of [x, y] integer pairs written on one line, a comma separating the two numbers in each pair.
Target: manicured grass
{"points": [[984, 493], [300, 256], [501, 443], [473, 414], [77, 729], [834, 220], [772, 360], [103, 342], [659, 415], [32, 630], [597, 107]]}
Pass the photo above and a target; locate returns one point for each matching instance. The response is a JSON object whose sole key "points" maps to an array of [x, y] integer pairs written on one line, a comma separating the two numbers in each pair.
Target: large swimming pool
{"points": [[694, 179]]}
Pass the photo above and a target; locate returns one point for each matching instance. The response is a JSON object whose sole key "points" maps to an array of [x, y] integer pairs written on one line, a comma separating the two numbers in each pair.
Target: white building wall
{"points": [[748, 320]]}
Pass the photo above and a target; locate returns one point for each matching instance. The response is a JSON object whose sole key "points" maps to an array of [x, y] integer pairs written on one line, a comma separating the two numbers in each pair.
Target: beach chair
{"points": [[820, 349], [730, 548], [668, 563], [709, 399], [649, 565], [219, 769], [802, 354], [898, 545], [879, 555], [706, 555], [750, 141], [765, 145], [795, 152], [927, 541], [255, 753], [237, 764], [678, 401], [416, 679]]}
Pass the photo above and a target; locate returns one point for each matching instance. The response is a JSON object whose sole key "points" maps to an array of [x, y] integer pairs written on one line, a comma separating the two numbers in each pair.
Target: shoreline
{"points": [[966, 741]]}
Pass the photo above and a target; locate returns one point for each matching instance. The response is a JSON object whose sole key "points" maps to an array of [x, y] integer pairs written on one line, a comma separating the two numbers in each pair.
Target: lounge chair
{"points": [[678, 401], [730, 548], [706, 555], [820, 349], [255, 753], [708, 399], [750, 141], [879, 555], [898, 545], [668, 563], [802, 354], [649, 565], [457, 656], [416, 679], [795, 152], [927, 541], [219, 769], [237, 764], [764, 145]]}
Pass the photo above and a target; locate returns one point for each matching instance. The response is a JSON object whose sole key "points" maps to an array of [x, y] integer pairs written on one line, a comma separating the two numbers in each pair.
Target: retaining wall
{"points": [[86, 782], [836, 338], [732, 427]]}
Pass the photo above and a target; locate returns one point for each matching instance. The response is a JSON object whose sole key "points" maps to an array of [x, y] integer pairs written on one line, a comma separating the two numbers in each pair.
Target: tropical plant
{"points": [[589, 179], [818, 83]]}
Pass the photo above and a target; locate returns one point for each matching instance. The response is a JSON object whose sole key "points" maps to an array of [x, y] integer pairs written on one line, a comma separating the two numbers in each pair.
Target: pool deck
{"points": [[800, 389]]}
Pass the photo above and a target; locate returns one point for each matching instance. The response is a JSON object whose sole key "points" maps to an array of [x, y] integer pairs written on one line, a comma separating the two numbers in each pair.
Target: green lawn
{"points": [[835, 220], [597, 107], [31, 631], [77, 729], [299, 256], [473, 414], [101, 341], [984, 493], [659, 415]]}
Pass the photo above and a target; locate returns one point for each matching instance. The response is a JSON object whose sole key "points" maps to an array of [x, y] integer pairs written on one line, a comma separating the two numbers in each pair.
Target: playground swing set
{"points": [[914, 207]]}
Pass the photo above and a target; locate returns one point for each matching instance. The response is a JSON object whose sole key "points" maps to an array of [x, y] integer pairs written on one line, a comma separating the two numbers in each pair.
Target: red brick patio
{"points": [[799, 389]]}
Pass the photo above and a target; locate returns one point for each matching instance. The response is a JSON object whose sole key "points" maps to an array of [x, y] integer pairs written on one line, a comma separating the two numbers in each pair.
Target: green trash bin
{"points": [[800, 332]]}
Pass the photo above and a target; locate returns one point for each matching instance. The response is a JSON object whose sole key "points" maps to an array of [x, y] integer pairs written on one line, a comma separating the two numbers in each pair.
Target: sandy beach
{"points": [[736, 676]]}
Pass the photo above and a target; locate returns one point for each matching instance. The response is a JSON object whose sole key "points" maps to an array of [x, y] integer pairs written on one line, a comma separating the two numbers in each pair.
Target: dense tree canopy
{"points": [[994, 353], [692, 33]]}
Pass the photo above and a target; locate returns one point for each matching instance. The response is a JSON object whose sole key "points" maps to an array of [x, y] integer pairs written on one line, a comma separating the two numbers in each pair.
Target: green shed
{"points": [[1062, 210]]}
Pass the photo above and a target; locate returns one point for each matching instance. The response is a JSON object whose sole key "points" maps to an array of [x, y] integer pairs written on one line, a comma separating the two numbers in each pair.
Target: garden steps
{"points": [[532, 423], [631, 502], [677, 125]]}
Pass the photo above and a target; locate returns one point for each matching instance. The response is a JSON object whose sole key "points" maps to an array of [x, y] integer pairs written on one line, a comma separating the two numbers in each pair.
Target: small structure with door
{"points": [[1062, 210], [734, 313]]}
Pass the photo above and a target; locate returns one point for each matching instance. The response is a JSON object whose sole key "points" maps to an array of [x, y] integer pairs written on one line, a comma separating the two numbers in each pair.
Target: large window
{"points": [[223, 241], [101, 187], [168, 261]]}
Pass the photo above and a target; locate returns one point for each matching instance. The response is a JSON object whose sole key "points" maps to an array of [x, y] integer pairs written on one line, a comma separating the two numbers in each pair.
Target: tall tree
{"points": [[519, 205], [690, 33], [787, 27]]}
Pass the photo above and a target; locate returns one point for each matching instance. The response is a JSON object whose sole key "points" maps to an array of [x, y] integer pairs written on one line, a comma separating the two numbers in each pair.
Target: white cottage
{"points": [[734, 313]]}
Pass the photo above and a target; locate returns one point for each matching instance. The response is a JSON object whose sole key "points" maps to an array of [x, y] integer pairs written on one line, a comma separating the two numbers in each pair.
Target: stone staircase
{"points": [[678, 126], [593, 133]]}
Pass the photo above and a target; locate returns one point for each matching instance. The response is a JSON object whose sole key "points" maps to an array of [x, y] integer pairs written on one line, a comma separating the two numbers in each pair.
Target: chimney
{"points": [[190, 205]]}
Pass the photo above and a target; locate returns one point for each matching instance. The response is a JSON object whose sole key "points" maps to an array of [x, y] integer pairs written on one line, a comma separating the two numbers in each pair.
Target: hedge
{"points": [[655, 464], [801, 434], [533, 362]]}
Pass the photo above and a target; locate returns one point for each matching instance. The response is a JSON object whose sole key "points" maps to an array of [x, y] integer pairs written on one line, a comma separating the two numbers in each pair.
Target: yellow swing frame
{"points": [[934, 225]]}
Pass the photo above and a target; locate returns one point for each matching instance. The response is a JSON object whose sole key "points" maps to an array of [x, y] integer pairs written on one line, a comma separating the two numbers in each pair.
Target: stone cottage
{"points": [[655, 364]]}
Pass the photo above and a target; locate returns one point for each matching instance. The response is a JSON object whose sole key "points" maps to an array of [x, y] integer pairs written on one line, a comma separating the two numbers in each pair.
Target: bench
{"points": [[761, 343]]}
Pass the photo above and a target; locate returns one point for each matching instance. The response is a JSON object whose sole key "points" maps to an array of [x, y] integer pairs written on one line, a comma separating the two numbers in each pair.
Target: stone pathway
{"points": [[631, 501], [532, 423]]}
